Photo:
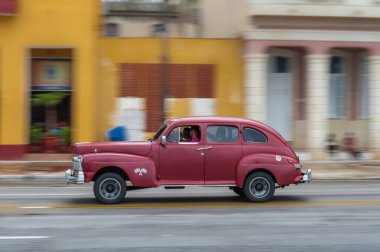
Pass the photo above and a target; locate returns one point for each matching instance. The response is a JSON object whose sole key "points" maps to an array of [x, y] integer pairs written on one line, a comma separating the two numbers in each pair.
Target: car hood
{"points": [[135, 148]]}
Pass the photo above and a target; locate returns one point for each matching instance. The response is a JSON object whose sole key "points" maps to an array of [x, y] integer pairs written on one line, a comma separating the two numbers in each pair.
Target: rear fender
{"points": [[140, 170], [278, 166]]}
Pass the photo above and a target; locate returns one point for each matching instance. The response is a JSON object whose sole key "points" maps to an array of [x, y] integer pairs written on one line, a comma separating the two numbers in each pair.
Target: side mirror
{"points": [[163, 140]]}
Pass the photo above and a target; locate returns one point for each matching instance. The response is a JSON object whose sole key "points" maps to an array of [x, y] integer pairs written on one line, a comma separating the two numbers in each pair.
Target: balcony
{"points": [[316, 8], [139, 8]]}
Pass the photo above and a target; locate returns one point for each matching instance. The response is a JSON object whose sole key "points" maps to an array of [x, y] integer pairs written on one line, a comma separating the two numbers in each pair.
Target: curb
{"points": [[56, 177], [60, 178]]}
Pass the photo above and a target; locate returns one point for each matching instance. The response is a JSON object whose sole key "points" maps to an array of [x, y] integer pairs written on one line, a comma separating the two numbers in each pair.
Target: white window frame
{"points": [[338, 92], [364, 87]]}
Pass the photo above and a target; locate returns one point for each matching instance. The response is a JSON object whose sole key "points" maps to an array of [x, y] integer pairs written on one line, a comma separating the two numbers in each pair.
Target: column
{"points": [[317, 104], [256, 86], [374, 106]]}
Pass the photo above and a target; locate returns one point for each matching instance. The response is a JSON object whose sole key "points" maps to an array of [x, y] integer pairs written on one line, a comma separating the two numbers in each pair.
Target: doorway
{"points": [[279, 101], [50, 100]]}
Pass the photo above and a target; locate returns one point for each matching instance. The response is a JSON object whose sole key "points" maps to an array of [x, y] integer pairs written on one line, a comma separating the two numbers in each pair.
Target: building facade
{"points": [[312, 69], [174, 58], [307, 68], [223, 19], [47, 47], [61, 76]]}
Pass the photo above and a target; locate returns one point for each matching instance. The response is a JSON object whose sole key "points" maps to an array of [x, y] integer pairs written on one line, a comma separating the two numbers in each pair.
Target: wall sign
{"points": [[51, 74]]}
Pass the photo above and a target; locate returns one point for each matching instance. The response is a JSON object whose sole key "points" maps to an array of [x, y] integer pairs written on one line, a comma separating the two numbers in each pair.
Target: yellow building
{"points": [[57, 30], [55, 47], [205, 77]]}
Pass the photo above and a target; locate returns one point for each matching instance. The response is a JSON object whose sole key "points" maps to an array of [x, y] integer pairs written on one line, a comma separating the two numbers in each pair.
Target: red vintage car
{"points": [[246, 156]]}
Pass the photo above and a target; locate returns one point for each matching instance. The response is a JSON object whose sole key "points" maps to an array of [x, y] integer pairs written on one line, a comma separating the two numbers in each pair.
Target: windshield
{"points": [[159, 132]]}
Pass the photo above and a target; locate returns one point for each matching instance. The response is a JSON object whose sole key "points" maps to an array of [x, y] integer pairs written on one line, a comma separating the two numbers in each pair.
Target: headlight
{"points": [[298, 166]]}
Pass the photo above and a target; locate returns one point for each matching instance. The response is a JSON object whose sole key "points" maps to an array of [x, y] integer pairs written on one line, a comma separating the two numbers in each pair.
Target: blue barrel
{"points": [[117, 134]]}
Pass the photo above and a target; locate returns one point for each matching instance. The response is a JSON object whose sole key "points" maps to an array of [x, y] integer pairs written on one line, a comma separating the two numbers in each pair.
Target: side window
{"points": [[185, 134], [222, 134], [253, 136], [174, 135]]}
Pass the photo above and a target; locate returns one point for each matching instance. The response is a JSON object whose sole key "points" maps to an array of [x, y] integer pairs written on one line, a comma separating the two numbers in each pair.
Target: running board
{"points": [[174, 187], [183, 186]]}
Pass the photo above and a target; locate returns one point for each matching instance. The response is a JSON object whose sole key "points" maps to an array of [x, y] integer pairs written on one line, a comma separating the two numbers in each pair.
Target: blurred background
{"points": [[70, 71]]}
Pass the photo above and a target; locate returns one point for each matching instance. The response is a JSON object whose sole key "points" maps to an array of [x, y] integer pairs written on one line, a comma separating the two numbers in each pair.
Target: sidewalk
{"points": [[53, 170]]}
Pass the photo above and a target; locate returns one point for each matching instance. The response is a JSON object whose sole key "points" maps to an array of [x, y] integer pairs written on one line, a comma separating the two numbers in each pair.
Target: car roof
{"points": [[217, 119], [226, 119]]}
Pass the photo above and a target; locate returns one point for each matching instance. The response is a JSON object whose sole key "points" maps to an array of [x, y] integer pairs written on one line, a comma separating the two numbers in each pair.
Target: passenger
{"points": [[186, 137], [194, 133]]}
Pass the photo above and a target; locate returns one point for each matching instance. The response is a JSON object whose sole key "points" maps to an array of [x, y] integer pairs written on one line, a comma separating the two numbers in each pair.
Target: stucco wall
{"points": [[48, 24], [224, 54]]}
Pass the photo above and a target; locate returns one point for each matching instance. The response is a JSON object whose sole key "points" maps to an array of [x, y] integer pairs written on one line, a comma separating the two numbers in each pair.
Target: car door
{"points": [[223, 153], [181, 161]]}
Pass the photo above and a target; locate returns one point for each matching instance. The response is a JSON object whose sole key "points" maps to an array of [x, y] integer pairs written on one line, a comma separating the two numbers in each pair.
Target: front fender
{"points": [[279, 166], [140, 170]]}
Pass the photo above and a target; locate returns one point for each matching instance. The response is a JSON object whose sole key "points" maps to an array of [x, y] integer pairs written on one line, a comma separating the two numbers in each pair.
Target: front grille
{"points": [[77, 163]]}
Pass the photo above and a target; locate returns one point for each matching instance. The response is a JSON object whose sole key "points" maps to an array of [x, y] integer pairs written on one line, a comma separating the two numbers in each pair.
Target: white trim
{"points": [[313, 35], [336, 8]]}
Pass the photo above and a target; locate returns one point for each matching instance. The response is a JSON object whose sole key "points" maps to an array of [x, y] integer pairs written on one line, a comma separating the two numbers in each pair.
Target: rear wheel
{"points": [[110, 188], [259, 187]]}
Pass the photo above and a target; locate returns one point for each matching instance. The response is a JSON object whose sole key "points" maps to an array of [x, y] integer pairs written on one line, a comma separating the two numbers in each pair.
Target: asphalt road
{"points": [[320, 216]]}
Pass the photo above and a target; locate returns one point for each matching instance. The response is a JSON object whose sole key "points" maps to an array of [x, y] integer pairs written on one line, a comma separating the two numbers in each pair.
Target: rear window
{"points": [[222, 134], [253, 136]]}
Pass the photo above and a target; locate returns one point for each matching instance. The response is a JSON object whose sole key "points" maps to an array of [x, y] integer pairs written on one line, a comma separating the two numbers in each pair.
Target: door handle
{"points": [[204, 148]]}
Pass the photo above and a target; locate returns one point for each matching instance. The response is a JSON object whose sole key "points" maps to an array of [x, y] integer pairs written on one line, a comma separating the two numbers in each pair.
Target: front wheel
{"points": [[110, 188], [259, 187]]}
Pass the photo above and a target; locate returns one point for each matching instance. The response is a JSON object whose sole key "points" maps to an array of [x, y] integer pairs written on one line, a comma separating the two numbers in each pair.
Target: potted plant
{"points": [[49, 100], [65, 135], [36, 135]]}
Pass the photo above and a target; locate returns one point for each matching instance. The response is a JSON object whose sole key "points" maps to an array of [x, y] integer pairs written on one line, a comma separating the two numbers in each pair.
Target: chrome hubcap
{"points": [[259, 187], [110, 188]]}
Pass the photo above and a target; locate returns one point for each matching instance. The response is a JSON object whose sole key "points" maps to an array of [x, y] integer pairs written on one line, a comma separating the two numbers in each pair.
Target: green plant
{"points": [[65, 135], [49, 100], [36, 134]]}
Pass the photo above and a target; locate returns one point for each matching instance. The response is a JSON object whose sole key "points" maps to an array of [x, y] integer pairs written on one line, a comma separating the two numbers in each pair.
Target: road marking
{"points": [[43, 194], [196, 205], [35, 207], [216, 205], [22, 237]]}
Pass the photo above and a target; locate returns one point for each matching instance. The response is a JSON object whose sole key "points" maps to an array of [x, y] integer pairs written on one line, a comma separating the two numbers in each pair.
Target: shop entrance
{"points": [[50, 100]]}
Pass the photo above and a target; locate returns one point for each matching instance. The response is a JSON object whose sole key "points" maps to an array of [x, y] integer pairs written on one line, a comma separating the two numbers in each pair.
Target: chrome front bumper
{"points": [[306, 176], [75, 175], [71, 179]]}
